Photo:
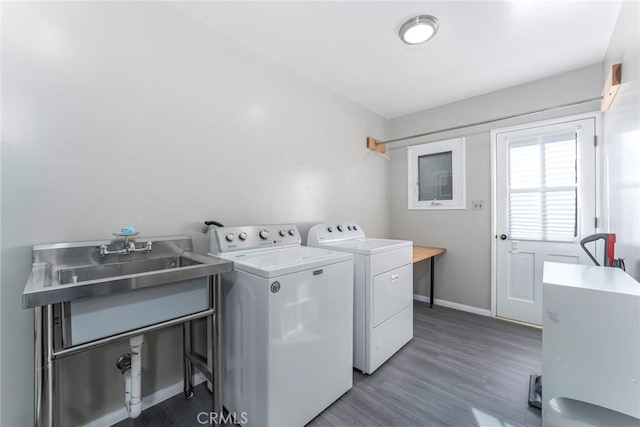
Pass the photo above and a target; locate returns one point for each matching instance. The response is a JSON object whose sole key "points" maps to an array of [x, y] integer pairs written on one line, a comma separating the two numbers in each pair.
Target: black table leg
{"points": [[432, 296]]}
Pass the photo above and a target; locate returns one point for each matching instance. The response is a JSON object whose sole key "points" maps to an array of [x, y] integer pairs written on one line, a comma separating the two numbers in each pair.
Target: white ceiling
{"points": [[482, 46]]}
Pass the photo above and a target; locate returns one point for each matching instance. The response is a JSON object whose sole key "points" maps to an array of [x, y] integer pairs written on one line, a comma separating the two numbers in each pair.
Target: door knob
{"points": [[503, 237]]}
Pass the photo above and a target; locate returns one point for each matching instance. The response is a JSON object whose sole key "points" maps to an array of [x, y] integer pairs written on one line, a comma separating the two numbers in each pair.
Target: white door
{"points": [[545, 204]]}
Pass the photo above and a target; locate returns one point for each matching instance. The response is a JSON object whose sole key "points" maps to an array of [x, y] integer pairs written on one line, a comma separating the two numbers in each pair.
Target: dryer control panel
{"points": [[334, 232], [229, 239]]}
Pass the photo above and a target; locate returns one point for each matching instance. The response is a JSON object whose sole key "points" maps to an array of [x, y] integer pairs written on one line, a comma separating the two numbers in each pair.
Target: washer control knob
{"points": [[330, 229], [355, 227], [242, 236], [340, 228], [292, 232], [349, 227], [264, 234], [229, 237], [283, 233]]}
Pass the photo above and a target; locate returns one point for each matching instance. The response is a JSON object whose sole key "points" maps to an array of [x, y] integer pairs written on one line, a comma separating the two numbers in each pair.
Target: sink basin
{"points": [[103, 271]]}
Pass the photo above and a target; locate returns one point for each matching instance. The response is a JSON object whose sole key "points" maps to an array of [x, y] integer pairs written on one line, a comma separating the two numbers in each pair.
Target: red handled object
{"points": [[610, 243]]}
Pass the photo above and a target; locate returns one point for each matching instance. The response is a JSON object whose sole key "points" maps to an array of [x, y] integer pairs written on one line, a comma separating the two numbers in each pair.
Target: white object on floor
{"points": [[289, 332], [563, 412], [383, 290], [590, 336]]}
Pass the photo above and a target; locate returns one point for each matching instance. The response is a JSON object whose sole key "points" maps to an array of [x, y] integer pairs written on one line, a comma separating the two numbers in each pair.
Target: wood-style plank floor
{"points": [[459, 370]]}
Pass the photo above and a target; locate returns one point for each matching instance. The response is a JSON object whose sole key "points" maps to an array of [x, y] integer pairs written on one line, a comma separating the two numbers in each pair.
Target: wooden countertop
{"points": [[425, 252]]}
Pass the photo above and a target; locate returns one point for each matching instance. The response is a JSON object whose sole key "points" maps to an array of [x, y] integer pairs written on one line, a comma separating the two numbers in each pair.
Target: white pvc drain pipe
{"points": [[133, 378]]}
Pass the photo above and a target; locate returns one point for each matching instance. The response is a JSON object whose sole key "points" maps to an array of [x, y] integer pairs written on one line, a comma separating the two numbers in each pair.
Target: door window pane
{"points": [[542, 184], [435, 176]]}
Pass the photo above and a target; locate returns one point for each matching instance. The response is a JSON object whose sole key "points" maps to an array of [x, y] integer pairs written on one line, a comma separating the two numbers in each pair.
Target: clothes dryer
{"points": [[383, 290]]}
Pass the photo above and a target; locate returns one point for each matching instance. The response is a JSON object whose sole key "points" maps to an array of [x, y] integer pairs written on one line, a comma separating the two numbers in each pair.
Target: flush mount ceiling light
{"points": [[419, 29]]}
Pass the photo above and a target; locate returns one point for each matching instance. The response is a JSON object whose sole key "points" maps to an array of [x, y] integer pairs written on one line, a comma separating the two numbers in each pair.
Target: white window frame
{"points": [[458, 174]]}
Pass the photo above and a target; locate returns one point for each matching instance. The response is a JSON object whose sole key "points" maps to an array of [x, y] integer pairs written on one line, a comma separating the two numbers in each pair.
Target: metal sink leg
{"points": [[217, 348], [187, 349], [44, 367], [212, 369]]}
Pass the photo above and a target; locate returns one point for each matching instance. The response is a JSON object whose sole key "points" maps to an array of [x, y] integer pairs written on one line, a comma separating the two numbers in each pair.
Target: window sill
{"points": [[422, 208]]}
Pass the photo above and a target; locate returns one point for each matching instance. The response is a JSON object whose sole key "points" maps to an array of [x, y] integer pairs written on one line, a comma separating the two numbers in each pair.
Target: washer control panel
{"points": [[229, 239], [334, 232]]}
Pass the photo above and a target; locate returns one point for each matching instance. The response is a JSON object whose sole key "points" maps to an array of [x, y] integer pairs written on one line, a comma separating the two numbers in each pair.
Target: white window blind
{"points": [[543, 188]]}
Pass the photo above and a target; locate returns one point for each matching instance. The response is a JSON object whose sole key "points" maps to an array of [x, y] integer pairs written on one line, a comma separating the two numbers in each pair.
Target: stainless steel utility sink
{"points": [[64, 272], [89, 294]]}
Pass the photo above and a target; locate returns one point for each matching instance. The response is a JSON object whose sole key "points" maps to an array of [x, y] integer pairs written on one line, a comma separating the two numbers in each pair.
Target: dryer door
{"points": [[392, 293]]}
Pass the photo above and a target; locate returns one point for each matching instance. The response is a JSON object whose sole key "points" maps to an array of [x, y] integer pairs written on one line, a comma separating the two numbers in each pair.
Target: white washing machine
{"points": [[288, 333], [383, 290]]}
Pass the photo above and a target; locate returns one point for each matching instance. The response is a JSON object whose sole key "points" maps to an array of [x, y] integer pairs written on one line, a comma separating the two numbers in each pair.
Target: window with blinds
{"points": [[543, 180]]}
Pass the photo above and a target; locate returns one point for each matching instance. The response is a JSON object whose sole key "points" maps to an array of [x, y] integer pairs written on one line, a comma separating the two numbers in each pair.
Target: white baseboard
{"points": [[455, 305], [421, 298], [147, 402]]}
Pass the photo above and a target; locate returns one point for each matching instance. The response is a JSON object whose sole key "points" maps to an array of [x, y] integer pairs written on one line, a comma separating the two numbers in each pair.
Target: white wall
{"points": [[463, 274], [136, 114], [622, 139]]}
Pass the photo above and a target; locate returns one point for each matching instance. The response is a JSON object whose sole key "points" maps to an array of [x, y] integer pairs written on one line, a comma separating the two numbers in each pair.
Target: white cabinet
{"points": [[591, 336]]}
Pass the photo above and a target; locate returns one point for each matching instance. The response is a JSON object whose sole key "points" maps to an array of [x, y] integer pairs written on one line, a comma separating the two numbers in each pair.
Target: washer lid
{"points": [[367, 246], [277, 262]]}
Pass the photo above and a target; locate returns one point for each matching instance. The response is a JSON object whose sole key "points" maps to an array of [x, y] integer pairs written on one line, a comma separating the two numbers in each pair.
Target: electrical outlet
{"points": [[477, 205]]}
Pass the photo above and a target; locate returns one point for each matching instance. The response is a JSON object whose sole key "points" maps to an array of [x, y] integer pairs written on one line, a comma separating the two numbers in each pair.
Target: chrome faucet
{"points": [[129, 247]]}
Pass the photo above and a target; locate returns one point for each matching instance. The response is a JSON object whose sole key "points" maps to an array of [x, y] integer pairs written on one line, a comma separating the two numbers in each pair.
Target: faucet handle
{"points": [[103, 250], [148, 246]]}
